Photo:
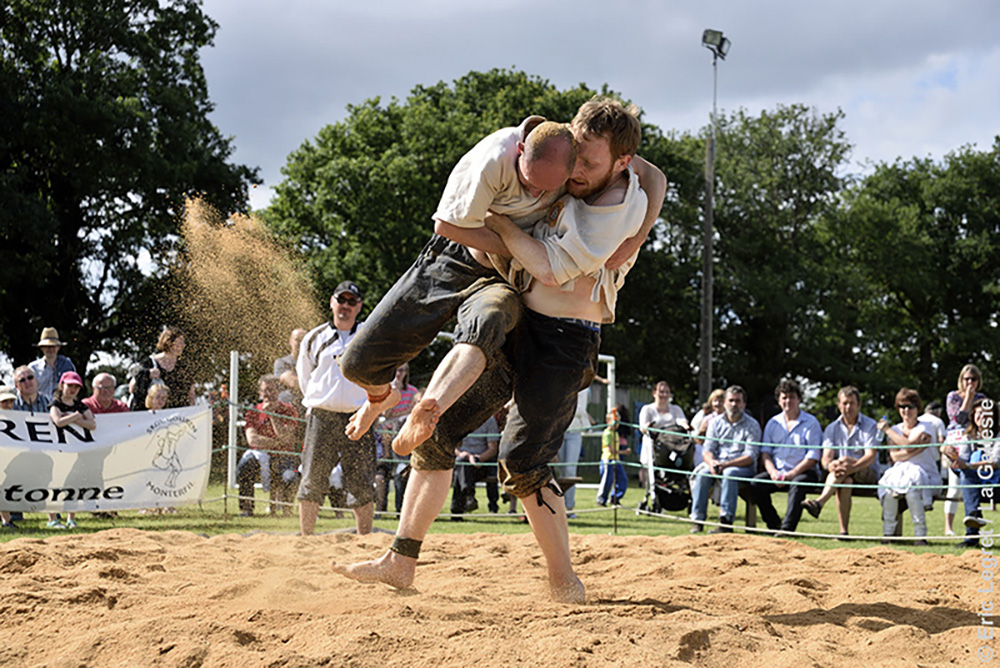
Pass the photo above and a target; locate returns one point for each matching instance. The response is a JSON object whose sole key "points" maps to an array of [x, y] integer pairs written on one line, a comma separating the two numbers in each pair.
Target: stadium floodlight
{"points": [[716, 41]]}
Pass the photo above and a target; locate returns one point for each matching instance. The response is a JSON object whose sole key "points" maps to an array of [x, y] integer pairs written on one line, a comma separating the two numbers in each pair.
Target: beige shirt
{"points": [[579, 239], [485, 179]]}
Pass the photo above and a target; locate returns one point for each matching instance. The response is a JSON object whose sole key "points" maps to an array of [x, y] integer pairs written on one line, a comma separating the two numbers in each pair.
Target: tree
{"points": [[105, 109], [921, 270], [779, 175]]}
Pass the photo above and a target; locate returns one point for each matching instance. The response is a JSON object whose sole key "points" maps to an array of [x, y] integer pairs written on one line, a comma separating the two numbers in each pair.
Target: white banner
{"points": [[132, 460]]}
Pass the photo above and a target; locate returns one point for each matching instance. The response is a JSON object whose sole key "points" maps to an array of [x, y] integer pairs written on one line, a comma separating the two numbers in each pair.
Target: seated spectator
{"points": [[849, 456], [103, 400], [913, 469], [730, 453], [977, 464], [67, 409], [710, 410], [614, 480], [7, 398], [475, 449], [157, 397], [50, 367], [273, 443], [28, 396], [787, 463]]}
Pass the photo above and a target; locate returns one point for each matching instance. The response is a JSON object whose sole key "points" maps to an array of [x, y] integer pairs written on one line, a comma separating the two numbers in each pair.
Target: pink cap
{"points": [[71, 378]]}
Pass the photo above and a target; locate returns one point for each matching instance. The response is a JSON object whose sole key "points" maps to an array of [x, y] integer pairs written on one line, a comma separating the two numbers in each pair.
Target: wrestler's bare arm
{"points": [[480, 238], [530, 252], [654, 183]]}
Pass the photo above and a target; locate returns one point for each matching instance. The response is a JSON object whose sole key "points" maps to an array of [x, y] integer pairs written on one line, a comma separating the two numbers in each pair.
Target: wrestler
{"points": [[552, 355]]}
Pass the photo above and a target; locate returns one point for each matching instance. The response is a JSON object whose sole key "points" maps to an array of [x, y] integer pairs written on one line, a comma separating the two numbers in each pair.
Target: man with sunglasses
{"points": [[28, 396], [330, 400]]}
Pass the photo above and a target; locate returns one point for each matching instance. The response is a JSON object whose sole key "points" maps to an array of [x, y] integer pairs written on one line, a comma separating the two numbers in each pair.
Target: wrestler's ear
{"points": [[520, 148], [621, 163]]}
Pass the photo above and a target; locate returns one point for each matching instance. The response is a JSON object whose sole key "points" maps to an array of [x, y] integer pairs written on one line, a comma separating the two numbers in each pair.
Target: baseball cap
{"points": [[347, 286], [70, 378], [6, 393]]}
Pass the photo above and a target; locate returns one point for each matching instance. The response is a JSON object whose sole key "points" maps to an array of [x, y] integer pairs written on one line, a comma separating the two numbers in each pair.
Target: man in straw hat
{"points": [[51, 366]]}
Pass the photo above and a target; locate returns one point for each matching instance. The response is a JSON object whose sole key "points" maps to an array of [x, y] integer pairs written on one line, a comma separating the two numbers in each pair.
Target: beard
{"points": [[582, 192]]}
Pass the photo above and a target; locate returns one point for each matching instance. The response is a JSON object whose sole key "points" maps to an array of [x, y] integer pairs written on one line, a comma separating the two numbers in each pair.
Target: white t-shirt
{"points": [[650, 417]]}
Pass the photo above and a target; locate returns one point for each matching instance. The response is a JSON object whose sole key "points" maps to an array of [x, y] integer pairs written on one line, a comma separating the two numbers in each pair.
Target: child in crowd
{"points": [[614, 481], [68, 409], [157, 396]]}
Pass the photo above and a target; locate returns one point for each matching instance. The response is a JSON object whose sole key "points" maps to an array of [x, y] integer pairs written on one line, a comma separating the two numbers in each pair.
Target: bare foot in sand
{"points": [[391, 568], [418, 427], [365, 416], [570, 591]]}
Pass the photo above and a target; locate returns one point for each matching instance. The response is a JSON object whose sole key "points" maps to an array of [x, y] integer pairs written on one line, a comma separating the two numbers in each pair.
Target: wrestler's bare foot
{"points": [[391, 568], [567, 591], [365, 417], [418, 427]]}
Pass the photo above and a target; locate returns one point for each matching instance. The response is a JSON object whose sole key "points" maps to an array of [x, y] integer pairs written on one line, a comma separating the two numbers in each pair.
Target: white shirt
{"points": [[650, 417], [320, 379]]}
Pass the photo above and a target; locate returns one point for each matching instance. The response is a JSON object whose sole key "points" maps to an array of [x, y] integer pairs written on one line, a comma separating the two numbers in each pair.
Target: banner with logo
{"points": [[132, 460]]}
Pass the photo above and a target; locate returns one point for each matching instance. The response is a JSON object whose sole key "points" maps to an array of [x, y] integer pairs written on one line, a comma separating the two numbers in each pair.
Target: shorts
{"points": [[547, 362], [444, 282], [326, 445]]}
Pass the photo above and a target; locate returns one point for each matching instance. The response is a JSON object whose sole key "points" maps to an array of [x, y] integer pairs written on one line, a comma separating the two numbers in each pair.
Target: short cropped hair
{"points": [[609, 118], [546, 140], [736, 389], [849, 391], [787, 386]]}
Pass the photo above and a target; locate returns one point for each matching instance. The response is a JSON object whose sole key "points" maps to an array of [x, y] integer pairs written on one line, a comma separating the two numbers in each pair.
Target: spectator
{"points": [[165, 365], [50, 367], [28, 396], [67, 409], [157, 397], [977, 464], [572, 445], [710, 410], [475, 449], [284, 369], [787, 460], [330, 400], [394, 418], [103, 400], [913, 469], [273, 441], [614, 481], [7, 398], [659, 416], [958, 403], [730, 453], [848, 454]]}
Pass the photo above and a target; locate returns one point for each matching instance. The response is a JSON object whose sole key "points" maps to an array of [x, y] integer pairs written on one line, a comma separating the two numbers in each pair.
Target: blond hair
{"points": [[546, 141]]}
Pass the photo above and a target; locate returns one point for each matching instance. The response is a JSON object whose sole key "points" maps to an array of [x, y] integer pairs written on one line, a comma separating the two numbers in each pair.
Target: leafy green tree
{"points": [[104, 109], [921, 270], [779, 174]]}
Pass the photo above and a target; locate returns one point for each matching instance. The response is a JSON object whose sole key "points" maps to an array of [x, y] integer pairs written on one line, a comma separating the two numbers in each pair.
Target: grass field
{"points": [[217, 515]]}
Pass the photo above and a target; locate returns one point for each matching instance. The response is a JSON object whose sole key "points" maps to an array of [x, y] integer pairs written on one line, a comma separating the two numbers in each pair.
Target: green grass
{"points": [[211, 518]]}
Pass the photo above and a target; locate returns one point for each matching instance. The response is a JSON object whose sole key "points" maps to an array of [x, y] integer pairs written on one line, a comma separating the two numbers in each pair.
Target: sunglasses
{"points": [[350, 301], [905, 407], [25, 379]]}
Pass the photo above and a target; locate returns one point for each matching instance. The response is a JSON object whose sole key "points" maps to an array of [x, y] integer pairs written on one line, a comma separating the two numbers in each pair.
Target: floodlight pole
{"points": [[707, 241]]}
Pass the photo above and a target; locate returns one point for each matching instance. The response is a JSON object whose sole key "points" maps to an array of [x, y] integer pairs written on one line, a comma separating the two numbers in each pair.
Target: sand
{"points": [[126, 597]]}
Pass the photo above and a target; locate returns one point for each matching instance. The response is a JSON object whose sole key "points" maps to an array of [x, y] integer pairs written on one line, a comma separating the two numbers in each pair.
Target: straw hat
{"points": [[50, 337]]}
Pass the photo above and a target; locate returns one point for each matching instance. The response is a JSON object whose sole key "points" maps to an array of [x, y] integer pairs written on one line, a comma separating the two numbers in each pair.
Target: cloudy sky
{"points": [[914, 77]]}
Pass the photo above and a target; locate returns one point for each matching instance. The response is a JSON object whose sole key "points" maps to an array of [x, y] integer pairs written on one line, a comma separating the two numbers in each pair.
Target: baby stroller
{"points": [[669, 490]]}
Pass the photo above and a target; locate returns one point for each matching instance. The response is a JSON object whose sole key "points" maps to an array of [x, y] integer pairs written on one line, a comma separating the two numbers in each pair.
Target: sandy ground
{"points": [[132, 598]]}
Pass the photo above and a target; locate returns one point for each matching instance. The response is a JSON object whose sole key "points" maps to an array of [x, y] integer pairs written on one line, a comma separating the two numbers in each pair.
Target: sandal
{"points": [[812, 508]]}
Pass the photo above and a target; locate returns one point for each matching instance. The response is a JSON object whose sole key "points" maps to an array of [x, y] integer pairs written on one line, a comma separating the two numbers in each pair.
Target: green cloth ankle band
{"points": [[407, 547]]}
